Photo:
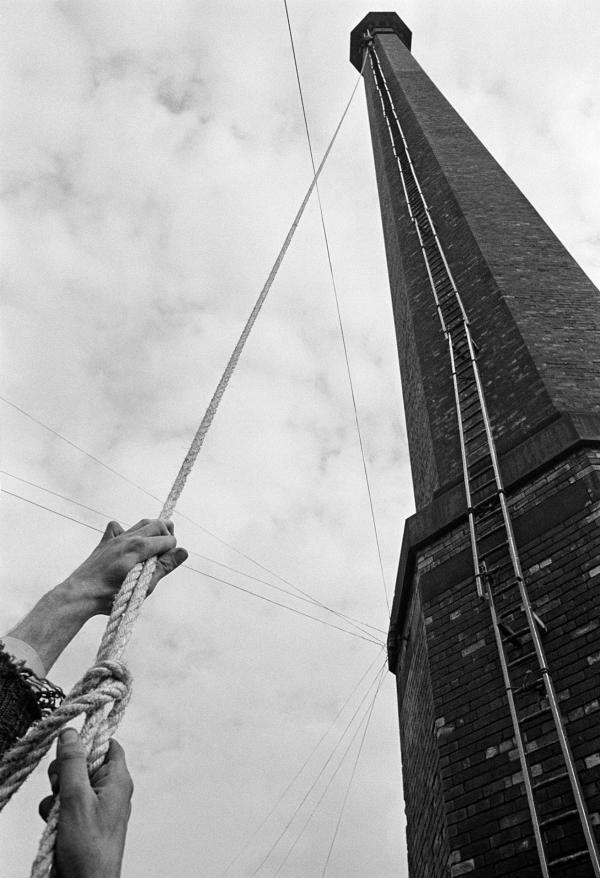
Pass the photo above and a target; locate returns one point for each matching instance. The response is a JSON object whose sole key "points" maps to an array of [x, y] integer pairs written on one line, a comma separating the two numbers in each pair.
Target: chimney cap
{"points": [[376, 22]]}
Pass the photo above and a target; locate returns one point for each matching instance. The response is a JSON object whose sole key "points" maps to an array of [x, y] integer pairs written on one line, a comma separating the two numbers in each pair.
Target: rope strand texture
{"points": [[103, 692]]}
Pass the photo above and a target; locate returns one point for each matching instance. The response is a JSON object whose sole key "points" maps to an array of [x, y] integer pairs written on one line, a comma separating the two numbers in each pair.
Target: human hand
{"points": [[93, 812], [90, 590], [93, 586]]}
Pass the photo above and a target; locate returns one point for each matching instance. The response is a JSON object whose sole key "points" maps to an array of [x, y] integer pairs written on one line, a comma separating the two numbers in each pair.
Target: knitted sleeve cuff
{"points": [[24, 698]]}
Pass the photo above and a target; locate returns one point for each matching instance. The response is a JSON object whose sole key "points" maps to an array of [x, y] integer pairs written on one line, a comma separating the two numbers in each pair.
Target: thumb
{"points": [[72, 766], [166, 563]]}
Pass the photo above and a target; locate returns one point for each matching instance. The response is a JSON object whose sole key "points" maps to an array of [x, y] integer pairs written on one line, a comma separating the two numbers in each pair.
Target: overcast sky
{"points": [[153, 157]]}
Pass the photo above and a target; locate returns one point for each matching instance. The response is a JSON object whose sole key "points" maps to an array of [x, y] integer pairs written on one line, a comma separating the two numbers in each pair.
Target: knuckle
{"points": [[71, 750], [136, 545], [128, 786]]}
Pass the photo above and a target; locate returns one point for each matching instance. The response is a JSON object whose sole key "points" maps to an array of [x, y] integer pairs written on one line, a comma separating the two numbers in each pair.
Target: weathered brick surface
{"points": [[457, 673], [428, 850], [536, 319], [533, 311]]}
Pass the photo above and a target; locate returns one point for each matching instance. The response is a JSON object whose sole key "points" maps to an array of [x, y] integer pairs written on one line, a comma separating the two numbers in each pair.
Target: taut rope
{"points": [[104, 690]]}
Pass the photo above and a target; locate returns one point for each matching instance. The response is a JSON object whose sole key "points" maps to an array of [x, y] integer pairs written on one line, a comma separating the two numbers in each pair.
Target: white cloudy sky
{"points": [[153, 156]]}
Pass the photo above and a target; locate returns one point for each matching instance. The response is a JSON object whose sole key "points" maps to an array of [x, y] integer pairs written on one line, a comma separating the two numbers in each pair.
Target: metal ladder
{"points": [[548, 771]]}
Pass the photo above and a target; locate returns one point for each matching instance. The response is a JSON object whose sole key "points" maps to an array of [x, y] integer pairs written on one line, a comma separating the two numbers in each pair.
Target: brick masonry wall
{"points": [[534, 313], [427, 841], [451, 664]]}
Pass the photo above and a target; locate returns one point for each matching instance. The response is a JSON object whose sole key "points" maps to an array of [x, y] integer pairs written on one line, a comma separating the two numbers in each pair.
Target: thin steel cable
{"points": [[298, 773], [348, 788], [102, 716], [361, 626], [331, 779], [53, 511], [338, 310], [187, 518], [291, 609], [319, 775], [205, 573]]}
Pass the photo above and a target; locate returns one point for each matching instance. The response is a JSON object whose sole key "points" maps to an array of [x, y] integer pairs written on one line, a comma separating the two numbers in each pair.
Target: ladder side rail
{"points": [[535, 819], [407, 198], [440, 249], [463, 453], [537, 643], [513, 552]]}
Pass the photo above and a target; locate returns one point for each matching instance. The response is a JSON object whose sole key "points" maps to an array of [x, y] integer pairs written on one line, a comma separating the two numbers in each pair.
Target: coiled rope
{"points": [[104, 690]]}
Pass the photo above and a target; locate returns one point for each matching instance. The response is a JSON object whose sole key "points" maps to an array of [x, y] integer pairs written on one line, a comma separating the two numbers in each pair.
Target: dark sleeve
{"points": [[19, 706]]}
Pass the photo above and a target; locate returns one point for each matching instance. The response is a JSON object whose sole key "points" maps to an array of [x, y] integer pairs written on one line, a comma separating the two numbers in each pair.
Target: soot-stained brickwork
{"points": [[483, 818], [536, 319], [533, 311]]}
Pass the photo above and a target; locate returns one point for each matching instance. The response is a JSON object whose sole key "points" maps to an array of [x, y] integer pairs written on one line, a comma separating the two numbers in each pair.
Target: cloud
{"points": [[153, 159]]}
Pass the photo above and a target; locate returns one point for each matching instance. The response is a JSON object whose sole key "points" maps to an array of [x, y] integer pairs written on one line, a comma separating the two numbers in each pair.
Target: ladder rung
{"points": [[449, 302], [538, 784], [465, 419], [448, 298], [558, 818], [481, 488], [506, 587], [452, 314], [487, 516], [474, 419], [463, 367], [481, 431], [518, 633], [481, 504], [501, 545], [569, 858], [538, 683], [521, 659], [493, 530], [509, 634], [500, 567], [478, 455], [461, 343], [442, 282], [441, 279], [513, 635]]}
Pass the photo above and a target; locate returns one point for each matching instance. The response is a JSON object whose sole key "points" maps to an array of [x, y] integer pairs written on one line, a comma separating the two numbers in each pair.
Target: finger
{"points": [[149, 527], [142, 548], [72, 767], [45, 807], [113, 777], [113, 529], [53, 776], [166, 564]]}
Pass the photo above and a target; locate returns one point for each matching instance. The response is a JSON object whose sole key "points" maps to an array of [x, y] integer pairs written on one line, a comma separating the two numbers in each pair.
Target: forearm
{"points": [[52, 623]]}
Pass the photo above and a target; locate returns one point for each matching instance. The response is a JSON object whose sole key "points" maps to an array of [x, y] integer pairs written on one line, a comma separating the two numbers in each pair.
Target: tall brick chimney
{"points": [[495, 629]]}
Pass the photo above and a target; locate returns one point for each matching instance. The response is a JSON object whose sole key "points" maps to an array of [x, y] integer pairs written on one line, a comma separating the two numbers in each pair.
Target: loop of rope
{"points": [[104, 690]]}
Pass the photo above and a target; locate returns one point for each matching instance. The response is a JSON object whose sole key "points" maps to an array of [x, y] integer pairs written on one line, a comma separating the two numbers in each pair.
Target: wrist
{"points": [[52, 623], [73, 601]]}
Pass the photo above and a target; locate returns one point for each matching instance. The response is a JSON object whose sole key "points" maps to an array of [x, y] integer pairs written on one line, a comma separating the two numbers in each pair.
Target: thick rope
{"points": [[104, 690]]}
